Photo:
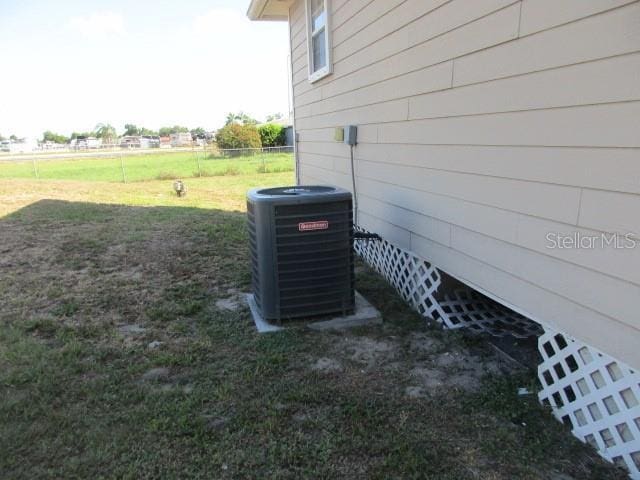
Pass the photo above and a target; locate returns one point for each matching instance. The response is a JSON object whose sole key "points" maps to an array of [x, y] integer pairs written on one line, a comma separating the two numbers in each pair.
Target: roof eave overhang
{"points": [[269, 10]]}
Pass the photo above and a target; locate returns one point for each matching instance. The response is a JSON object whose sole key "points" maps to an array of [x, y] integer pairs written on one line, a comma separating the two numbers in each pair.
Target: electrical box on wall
{"points": [[350, 134]]}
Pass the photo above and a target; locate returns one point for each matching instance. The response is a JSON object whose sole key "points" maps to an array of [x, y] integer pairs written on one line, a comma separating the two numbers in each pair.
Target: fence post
{"points": [[35, 168], [124, 178], [196, 154]]}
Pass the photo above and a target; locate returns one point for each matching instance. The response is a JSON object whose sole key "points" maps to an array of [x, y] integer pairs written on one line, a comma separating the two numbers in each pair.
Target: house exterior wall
{"points": [[180, 139], [484, 129]]}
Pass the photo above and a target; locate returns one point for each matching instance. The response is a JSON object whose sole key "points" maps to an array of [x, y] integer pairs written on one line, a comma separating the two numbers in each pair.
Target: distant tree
{"points": [[166, 131], [198, 132], [106, 132], [274, 116], [75, 135], [235, 135], [13, 138], [146, 131], [271, 135], [131, 129], [49, 136], [2, 138], [241, 118]]}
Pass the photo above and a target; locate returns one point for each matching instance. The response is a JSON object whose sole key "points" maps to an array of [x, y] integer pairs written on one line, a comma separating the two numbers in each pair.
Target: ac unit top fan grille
{"points": [[301, 241]]}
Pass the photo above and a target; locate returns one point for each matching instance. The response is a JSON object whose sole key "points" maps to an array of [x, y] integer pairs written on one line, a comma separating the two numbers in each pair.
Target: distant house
{"points": [[150, 141], [498, 145], [182, 139], [203, 139], [19, 146], [24, 145], [165, 142], [140, 141], [130, 141], [83, 143]]}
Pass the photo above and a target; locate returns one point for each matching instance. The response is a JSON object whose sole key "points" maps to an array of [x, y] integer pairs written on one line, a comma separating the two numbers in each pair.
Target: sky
{"points": [[68, 65]]}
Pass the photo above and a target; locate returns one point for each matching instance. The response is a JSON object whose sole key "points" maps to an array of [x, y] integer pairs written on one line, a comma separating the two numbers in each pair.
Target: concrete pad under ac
{"points": [[365, 314]]}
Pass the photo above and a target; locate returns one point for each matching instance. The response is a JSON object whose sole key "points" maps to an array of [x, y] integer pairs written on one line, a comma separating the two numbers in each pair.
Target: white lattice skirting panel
{"points": [[589, 390], [598, 396], [418, 282], [470, 309]]}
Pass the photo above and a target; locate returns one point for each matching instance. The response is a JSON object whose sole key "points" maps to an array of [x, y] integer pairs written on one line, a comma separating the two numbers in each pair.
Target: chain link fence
{"points": [[132, 164]]}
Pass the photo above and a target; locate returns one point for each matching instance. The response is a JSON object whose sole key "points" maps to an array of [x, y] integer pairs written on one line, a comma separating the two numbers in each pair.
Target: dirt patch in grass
{"points": [[87, 290], [326, 365]]}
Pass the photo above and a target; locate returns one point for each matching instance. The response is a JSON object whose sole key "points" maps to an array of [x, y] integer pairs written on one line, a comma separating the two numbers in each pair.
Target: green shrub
{"points": [[235, 135], [272, 135]]}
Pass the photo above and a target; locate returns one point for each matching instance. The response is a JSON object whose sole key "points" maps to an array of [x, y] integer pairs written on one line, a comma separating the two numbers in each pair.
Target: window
{"points": [[318, 39]]}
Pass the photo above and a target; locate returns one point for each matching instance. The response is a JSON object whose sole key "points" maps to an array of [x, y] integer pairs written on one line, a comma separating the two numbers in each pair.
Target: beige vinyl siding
{"points": [[543, 14], [556, 202], [610, 211], [345, 10], [588, 125], [484, 32], [482, 127], [575, 42], [604, 81]]}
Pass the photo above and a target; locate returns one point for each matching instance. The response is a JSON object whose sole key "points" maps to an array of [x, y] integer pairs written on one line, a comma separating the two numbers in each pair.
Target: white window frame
{"points": [[314, 76]]}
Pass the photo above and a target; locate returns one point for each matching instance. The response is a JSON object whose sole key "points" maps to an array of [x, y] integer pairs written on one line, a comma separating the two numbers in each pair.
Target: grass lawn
{"points": [[155, 166], [125, 352]]}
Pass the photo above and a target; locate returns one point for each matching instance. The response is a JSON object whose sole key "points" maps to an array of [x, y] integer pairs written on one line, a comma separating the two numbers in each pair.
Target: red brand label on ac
{"points": [[309, 226]]}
